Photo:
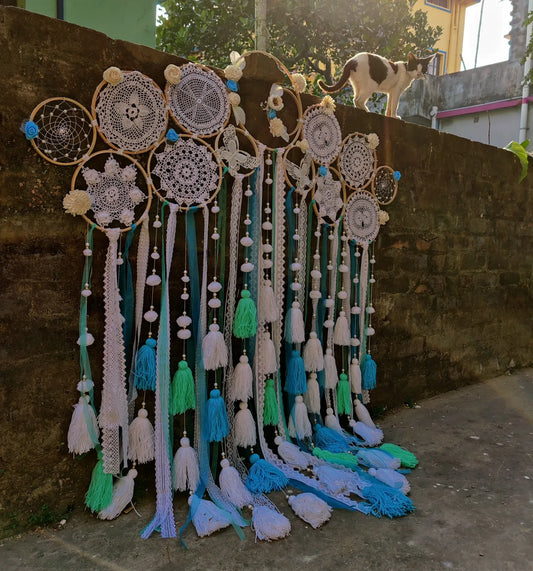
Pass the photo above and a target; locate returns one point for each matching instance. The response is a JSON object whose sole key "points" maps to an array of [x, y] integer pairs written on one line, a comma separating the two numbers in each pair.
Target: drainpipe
{"points": [[60, 9], [525, 89], [433, 115]]}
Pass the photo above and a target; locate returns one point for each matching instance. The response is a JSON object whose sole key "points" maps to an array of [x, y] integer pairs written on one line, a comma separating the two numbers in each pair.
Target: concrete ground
{"points": [[473, 491]]}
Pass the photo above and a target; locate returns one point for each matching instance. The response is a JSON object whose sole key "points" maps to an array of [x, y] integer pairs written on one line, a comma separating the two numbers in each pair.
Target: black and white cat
{"points": [[369, 73]]}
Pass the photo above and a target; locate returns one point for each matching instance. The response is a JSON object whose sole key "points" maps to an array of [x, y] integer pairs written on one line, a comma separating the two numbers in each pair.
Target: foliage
{"points": [[519, 149], [310, 36]]}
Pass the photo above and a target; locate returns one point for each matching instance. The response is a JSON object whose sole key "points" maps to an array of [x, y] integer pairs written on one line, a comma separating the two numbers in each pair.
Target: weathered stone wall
{"points": [[453, 269]]}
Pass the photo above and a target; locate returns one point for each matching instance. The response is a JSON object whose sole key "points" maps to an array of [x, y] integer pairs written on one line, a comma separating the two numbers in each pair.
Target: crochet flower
{"points": [[277, 128], [299, 82], [91, 176], [172, 74], [76, 202], [31, 130], [373, 140], [129, 173], [328, 105], [133, 113], [103, 218], [234, 98], [172, 136], [233, 72], [303, 145], [397, 175], [275, 102], [113, 75], [127, 217], [383, 217]]}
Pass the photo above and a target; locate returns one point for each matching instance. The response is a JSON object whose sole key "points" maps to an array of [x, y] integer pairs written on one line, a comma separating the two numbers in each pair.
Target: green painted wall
{"points": [[130, 20]]}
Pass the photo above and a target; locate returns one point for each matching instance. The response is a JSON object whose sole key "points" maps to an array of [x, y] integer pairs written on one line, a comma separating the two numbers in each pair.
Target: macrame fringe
{"points": [[207, 517], [391, 478], [408, 459], [270, 406], [313, 355], [269, 524], [296, 382], [312, 395], [145, 366], [244, 427], [141, 446], [215, 352], [264, 477], [245, 323], [241, 387], [100, 492], [344, 395], [122, 496], [232, 486], [312, 509], [79, 438], [186, 467], [330, 368], [268, 308], [299, 425], [182, 390]]}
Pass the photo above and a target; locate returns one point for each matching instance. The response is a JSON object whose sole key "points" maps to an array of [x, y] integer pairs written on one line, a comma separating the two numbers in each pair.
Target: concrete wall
{"points": [[454, 278]]}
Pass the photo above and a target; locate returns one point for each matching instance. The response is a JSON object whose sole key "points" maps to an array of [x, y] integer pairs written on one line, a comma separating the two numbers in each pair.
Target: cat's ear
{"points": [[411, 57]]}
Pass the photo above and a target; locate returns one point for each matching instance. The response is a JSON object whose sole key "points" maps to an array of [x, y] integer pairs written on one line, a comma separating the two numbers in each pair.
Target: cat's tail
{"points": [[348, 68]]}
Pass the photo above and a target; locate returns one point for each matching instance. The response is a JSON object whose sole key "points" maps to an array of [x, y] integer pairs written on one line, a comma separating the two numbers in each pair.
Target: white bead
{"points": [[331, 236], [318, 234], [355, 342], [372, 260], [295, 266], [372, 280], [247, 267], [296, 237], [184, 334], [267, 248], [248, 192], [356, 310], [316, 256], [344, 254], [268, 162], [296, 286], [185, 279], [184, 296], [215, 209], [247, 222], [214, 303], [157, 224], [269, 180], [342, 294], [87, 252], [296, 210], [267, 225], [370, 331], [355, 280], [184, 321], [329, 267], [246, 241], [86, 292], [214, 287], [357, 254], [267, 210], [215, 236], [344, 238], [150, 316], [120, 261], [153, 280], [316, 274], [155, 256]]}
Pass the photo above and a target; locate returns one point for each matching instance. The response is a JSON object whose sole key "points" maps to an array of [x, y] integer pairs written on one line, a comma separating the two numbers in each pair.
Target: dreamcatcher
{"points": [[357, 160]]}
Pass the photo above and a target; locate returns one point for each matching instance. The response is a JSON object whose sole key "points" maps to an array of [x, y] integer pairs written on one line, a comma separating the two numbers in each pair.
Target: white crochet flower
{"points": [[91, 176], [129, 173], [127, 217], [103, 218], [137, 195], [303, 145], [299, 82], [234, 98], [383, 217], [172, 74], [277, 128], [328, 104], [275, 102], [76, 202], [113, 75], [373, 140], [233, 72]]}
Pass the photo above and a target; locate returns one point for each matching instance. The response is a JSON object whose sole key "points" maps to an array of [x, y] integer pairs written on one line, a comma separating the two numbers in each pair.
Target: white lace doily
{"points": [[357, 161], [384, 185], [328, 196], [229, 152], [361, 217], [66, 133], [323, 133], [131, 115], [187, 171], [113, 190], [199, 102]]}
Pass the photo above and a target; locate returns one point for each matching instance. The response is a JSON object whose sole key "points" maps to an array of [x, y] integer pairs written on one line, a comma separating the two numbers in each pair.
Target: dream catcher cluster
{"points": [[246, 325]]}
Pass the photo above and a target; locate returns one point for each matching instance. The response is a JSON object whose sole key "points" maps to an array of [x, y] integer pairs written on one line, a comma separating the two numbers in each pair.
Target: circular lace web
{"points": [[361, 217], [328, 197], [357, 161], [113, 191], [323, 133], [199, 102], [132, 115], [66, 134], [384, 185], [187, 170]]}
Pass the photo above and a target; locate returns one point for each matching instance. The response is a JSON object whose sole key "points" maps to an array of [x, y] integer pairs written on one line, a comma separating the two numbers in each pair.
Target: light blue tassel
{"points": [[330, 440], [296, 383], [145, 368], [377, 459], [386, 501], [217, 419], [369, 373], [263, 477]]}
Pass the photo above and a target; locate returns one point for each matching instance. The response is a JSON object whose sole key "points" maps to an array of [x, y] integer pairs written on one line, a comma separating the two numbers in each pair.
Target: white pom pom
{"points": [[291, 454], [141, 447], [316, 274], [329, 303], [313, 356], [267, 248], [356, 310], [312, 395], [233, 487], [215, 352], [214, 286], [246, 241], [329, 324], [89, 340], [153, 280], [370, 331], [122, 496], [331, 421], [343, 294], [355, 342], [299, 425], [355, 376], [241, 387], [330, 367], [267, 263], [244, 427], [296, 266], [85, 385], [315, 294], [184, 320], [343, 268], [269, 354], [268, 308], [184, 334], [362, 413], [269, 524], [186, 467], [296, 334], [79, 434], [207, 517], [267, 225], [391, 478], [310, 508], [247, 267], [214, 303], [296, 286], [151, 316], [341, 335]]}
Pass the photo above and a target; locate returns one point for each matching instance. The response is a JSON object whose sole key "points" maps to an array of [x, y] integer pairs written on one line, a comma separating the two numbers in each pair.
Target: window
{"points": [[435, 67], [445, 4]]}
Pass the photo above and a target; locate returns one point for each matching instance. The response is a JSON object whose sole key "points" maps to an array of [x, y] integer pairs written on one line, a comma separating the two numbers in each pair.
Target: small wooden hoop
{"points": [[390, 169], [374, 154]]}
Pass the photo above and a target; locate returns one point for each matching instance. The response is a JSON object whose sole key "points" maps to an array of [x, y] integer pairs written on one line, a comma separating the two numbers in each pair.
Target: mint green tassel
{"points": [[344, 395], [342, 458], [100, 492], [408, 459], [270, 409], [245, 324], [183, 391]]}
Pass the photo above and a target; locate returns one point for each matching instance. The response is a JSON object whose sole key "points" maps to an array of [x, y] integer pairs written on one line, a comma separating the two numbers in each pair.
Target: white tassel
{"points": [[186, 467], [337, 481], [269, 354], [269, 524], [268, 308], [215, 352], [122, 496], [79, 438], [244, 433], [296, 334], [372, 436], [331, 421], [330, 367], [291, 453], [362, 414], [312, 395], [391, 478], [207, 517], [141, 447], [312, 509], [232, 486], [355, 376], [241, 387], [313, 356], [299, 425], [341, 334]]}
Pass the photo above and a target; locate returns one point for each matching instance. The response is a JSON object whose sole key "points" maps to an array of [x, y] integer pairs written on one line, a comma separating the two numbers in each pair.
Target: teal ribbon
{"points": [[127, 303]]}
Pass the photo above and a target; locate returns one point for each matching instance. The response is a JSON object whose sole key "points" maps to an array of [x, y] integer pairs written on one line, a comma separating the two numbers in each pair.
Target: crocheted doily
{"points": [[328, 196], [323, 133], [113, 191], [361, 217], [199, 102], [384, 185], [232, 156], [187, 170], [66, 133], [357, 161], [131, 115]]}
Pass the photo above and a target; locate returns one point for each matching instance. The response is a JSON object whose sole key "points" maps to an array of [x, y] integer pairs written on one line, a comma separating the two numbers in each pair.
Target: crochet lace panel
{"points": [[384, 185], [357, 161], [361, 217], [66, 134], [232, 156], [199, 102], [328, 197], [114, 193], [323, 133], [301, 174], [188, 172], [132, 115]]}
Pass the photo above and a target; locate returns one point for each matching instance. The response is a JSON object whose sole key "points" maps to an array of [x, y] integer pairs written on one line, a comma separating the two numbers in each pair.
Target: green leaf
{"points": [[519, 149]]}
